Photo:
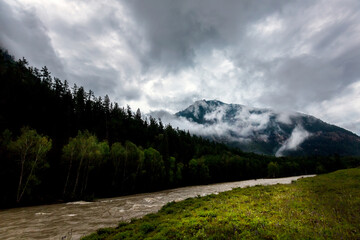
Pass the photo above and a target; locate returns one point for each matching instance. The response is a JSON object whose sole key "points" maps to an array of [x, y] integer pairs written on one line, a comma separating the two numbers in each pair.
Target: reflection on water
{"points": [[75, 219]]}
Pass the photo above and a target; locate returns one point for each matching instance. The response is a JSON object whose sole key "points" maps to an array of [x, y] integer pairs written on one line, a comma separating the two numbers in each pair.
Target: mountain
{"points": [[268, 131]]}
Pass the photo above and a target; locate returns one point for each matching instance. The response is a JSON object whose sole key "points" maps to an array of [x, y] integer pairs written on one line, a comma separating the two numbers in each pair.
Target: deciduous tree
{"points": [[31, 149]]}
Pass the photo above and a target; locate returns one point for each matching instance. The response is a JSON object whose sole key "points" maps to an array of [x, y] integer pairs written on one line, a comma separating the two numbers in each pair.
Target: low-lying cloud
{"points": [[298, 136], [234, 123], [241, 124]]}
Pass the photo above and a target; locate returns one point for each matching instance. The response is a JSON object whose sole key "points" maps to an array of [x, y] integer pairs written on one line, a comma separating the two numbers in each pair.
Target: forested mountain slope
{"points": [[268, 131]]}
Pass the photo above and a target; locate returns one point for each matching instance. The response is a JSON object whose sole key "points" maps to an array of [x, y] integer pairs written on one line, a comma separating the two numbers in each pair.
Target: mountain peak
{"points": [[264, 130], [199, 109]]}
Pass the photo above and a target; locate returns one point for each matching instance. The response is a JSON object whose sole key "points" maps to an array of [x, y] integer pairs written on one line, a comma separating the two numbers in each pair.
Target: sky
{"points": [[301, 55]]}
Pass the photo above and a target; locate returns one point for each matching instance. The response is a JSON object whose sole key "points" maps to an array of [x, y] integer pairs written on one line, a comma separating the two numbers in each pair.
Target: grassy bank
{"points": [[323, 207]]}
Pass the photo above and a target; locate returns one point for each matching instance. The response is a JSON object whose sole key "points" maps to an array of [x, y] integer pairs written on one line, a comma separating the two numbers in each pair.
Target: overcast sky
{"points": [[164, 54]]}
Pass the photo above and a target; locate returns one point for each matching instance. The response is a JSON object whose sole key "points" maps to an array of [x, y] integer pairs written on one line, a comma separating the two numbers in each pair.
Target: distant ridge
{"points": [[268, 131]]}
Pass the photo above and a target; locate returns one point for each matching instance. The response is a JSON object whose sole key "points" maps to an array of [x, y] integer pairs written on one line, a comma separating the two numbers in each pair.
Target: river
{"points": [[76, 219]]}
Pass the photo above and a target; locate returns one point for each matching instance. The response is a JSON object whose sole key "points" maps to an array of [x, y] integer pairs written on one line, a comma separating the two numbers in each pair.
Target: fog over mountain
{"points": [[263, 130]]}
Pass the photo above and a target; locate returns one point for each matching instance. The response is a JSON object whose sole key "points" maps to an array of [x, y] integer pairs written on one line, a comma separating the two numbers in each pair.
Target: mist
{"points": [[298, 136]]}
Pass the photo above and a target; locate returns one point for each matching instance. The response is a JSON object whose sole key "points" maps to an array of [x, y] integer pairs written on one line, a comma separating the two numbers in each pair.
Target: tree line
{"points": [[64, 143]]}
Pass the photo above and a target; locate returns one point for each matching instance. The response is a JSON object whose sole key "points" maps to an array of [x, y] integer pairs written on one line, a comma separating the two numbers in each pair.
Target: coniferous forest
{"points": [[63, 143]]}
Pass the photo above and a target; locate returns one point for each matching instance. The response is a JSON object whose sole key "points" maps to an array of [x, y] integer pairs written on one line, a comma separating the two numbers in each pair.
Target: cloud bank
{"points": [[223, 121], [237, 123]]}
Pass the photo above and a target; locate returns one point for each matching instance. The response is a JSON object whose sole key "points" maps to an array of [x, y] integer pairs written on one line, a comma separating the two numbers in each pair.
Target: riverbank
{"points": [[323, 207], [81, 218]]}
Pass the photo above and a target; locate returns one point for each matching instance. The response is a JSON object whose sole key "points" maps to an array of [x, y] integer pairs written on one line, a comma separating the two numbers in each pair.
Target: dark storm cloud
{"points": [[302, 79], [177, 30], [24, 35], [311, 58], [309, 78]]}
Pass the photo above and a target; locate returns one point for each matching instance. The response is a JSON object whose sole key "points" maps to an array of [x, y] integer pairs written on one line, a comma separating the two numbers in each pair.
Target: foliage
{"points": [[323, 207], [198, 170], [154, 167], [273, 169], [83, 153], [30, 149], [117, 156]]}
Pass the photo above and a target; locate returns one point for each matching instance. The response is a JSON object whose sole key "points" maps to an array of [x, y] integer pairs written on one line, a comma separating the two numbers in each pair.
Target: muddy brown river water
{"points": [[76, 219]]}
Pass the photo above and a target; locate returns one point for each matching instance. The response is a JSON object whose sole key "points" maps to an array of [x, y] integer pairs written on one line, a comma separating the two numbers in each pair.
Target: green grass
{"points": [[323, 207]]}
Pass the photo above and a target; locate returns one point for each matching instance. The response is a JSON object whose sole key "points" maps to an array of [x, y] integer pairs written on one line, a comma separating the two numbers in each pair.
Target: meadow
{"points": [[323, 207]]}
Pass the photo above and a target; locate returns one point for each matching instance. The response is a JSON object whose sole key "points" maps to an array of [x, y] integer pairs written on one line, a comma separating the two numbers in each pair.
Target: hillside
{"points": [[323, 207], [268, 131]]}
